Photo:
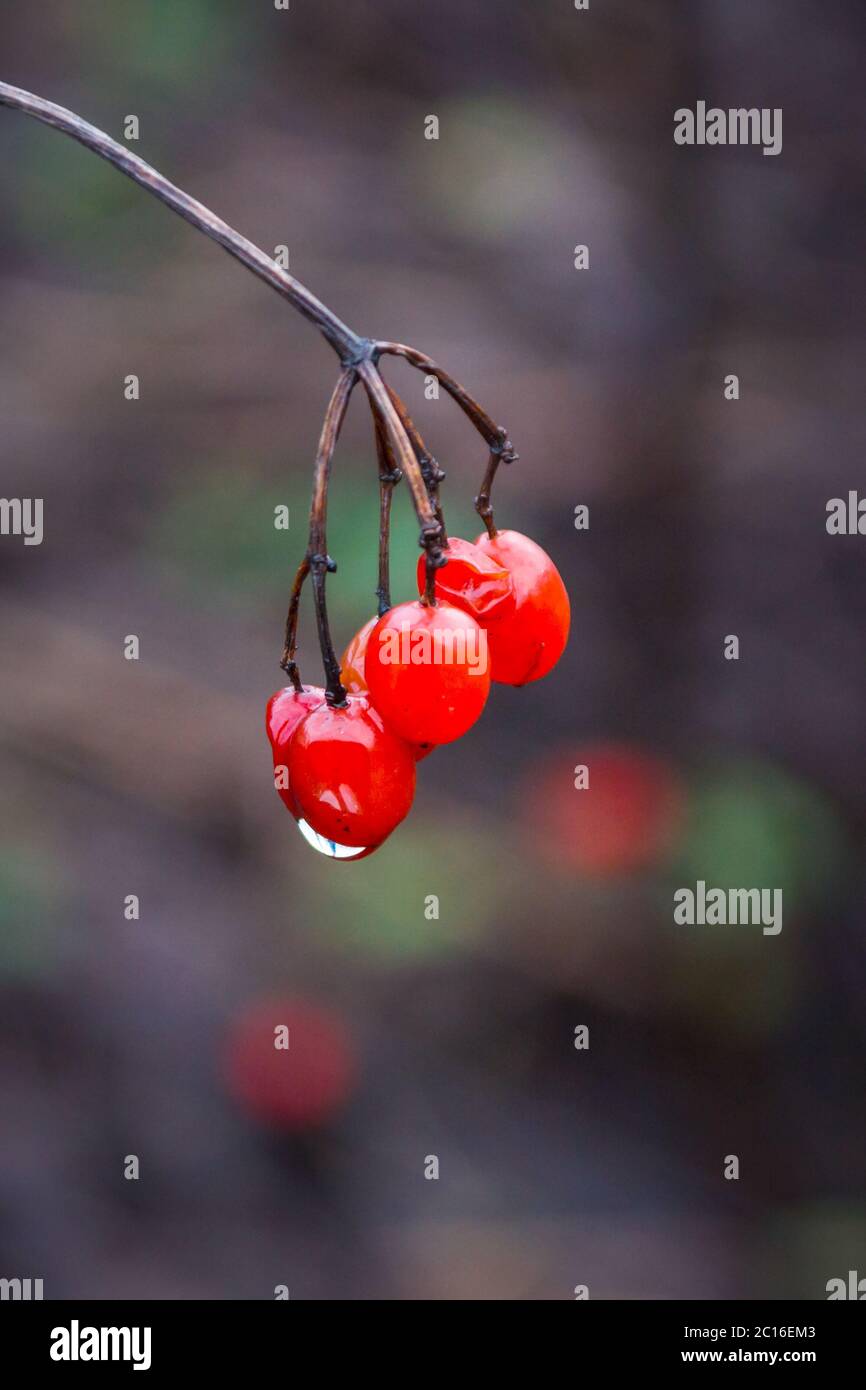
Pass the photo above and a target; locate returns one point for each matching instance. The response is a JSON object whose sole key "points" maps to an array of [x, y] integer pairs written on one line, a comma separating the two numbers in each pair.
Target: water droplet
{"points": [[329, 847]]}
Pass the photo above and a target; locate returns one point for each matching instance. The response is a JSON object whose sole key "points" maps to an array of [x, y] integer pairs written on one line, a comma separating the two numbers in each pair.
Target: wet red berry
{"points": [[351, 778], [285, 710], [352, 662], [527, 643], [352, 674], [471, 580], [428, 671]]}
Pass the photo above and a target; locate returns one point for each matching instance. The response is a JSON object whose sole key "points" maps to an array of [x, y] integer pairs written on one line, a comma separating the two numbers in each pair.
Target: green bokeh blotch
{"points": [[66, 197], [219, 530], [754, 825], [28, 897], [165, 43], [750, 825], [814, 1243], [375, 907], [500, 163]]}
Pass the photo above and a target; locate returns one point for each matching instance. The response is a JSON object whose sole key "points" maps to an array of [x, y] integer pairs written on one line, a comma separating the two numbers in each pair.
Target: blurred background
{"points": [[454, 1037]]}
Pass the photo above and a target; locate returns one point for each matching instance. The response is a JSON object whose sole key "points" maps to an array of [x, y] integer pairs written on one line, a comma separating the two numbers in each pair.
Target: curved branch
{"points": [[359, 356], [348, 345], [495, 435]]}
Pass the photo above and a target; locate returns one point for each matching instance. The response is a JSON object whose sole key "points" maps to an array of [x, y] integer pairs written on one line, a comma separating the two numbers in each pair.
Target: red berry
{"points": [[428, 671], [472, 581], [351, 778], [285, 710], [526, 644], [352, 662], [352, 667], [295, 1087]]}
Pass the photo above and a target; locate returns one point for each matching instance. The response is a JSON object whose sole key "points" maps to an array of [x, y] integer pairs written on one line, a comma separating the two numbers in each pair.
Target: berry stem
{"points": [[404, 455], [287, 660], [483, 504], [433, 476], [389, 477], [496, 436], [318, 559]]}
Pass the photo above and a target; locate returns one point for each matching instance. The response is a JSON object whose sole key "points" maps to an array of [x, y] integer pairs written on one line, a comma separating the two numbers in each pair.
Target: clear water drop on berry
{"points": [[330, 848]]}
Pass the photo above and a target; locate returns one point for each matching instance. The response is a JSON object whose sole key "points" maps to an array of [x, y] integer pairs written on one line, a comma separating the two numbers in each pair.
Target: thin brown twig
{"points": [[433, 476], [431, 472], [320, 562], [287, 660], [483, 505], [383, 406], [389, 477], [348, 345], [496, 436]]}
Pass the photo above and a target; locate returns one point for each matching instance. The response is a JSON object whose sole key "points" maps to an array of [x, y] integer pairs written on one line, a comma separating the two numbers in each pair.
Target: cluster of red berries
{"points": [[416, 677]]}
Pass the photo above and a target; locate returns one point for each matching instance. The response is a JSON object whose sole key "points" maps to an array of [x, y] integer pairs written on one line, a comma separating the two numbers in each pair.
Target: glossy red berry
{"points": [[428, 671], [285, 710], [471, 580], [351, 778], [352, 662], [527, 643], [352, 674], [289, 1063]]}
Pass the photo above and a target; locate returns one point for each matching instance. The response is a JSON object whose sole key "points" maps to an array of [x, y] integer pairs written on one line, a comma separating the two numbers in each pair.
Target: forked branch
{"points": [[398, 441]]}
